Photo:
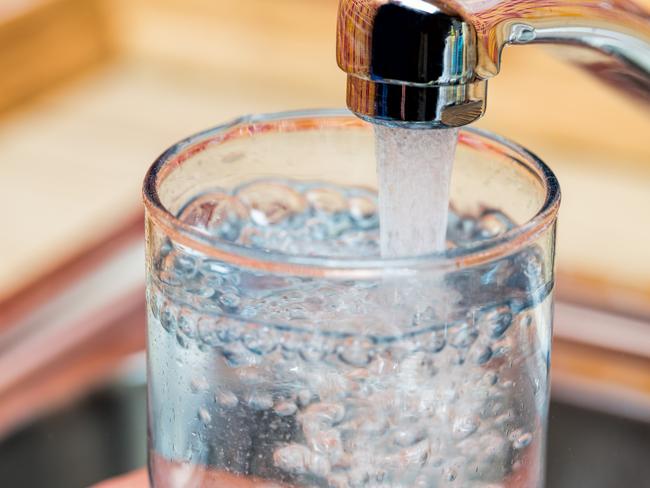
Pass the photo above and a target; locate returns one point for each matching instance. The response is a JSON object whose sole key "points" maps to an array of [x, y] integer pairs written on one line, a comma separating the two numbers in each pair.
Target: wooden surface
{"points": [[73, 158]]}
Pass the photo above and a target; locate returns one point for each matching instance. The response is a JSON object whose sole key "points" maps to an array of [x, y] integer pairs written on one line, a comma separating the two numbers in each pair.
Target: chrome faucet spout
{"points": [[425, 63]]}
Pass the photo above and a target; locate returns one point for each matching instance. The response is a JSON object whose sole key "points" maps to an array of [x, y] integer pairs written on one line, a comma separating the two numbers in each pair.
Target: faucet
{"points": [[426, 63]]}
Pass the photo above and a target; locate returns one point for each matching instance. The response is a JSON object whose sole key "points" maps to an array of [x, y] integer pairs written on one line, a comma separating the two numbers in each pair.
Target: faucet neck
{"points": [[619, 28]]}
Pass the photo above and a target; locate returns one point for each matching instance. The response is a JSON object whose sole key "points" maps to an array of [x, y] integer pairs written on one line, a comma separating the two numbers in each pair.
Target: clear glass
{"points": [[282, 351]]}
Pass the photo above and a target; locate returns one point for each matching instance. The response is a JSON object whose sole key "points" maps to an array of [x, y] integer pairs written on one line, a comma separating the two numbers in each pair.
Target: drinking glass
{"points": [[283, 351]]}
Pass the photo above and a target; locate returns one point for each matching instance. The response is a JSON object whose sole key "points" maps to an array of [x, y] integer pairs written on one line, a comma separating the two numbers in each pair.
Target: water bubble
{"points": [[356, 352], [292, 458], [286, 408], [490, 378], [450, 474], [465, 426], [327, 200], [325, 441], [496, 321], [260, 401], [493, 223], [305, 397], [237, 356], [212, 267], [463, 337], [520, 439], [363, 211], [433, 342], [183, 340], [168, 321], [260, 341], [229, 299], [318, 465], [200, 384], [482, 355], [204, 416], [311, 352], [324, 413], [209, 330], [185, 266], [296, 458], [338, 481], [271, 203], [186, 325], [218, 213], [227, 399], [409, 436]]}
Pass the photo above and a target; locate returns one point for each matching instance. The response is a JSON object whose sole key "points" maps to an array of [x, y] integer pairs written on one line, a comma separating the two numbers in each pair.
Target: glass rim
{"points": [[474, 254]]}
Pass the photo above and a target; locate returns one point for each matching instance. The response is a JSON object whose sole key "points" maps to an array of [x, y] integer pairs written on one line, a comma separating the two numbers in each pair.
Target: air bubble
{"points": [[286, 408], [183, 340], [209, 329], [327, 200], [260, 341], [463, 337], [409, 436], [199, 384], [356, 353], [520, 439], [217, 213], [465, 426], [260, 401], [229, 300], [204, 416], [226, 399], [271, 203], [168, 321], [364, 212], [496, 321], [326, 413]]}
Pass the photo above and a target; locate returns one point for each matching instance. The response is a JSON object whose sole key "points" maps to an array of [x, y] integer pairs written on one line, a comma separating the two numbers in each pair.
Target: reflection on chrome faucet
{"points": [[425, 63]]}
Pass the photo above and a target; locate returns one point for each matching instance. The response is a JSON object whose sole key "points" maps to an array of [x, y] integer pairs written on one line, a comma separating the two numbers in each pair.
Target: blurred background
{"points": [[92, 91]]}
